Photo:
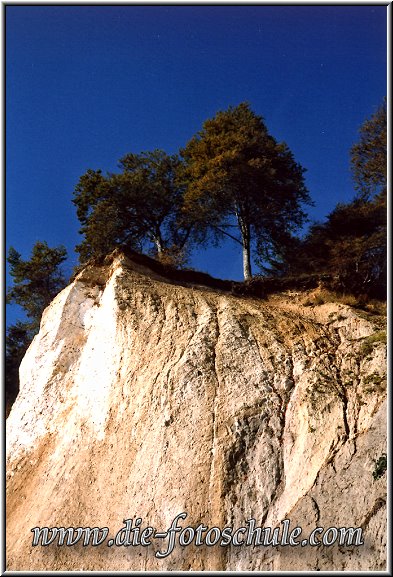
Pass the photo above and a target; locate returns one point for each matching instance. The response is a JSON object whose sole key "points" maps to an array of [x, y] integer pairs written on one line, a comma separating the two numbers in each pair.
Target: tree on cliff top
{"points": [[140, 205], [369, 155], [351, 243], [237, 172]]}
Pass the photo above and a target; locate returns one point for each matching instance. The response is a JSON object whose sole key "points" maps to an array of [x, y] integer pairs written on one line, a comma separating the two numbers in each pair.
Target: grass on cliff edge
{"points": [[256, 287], [362, 302]]}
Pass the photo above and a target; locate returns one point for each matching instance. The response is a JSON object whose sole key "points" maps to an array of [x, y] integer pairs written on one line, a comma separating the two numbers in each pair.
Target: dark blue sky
{"points": [[87, 84]]}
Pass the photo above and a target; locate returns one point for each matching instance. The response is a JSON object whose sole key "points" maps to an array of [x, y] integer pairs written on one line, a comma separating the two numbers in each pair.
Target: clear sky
{"points": [[85, 85]]}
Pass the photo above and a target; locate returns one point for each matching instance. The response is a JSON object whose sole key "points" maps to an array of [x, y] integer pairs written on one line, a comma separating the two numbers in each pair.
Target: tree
{"points": [[142, 204], [238, 173], [369, 155], [359, 256], [36, 283], [351, 244], [18, 338]]}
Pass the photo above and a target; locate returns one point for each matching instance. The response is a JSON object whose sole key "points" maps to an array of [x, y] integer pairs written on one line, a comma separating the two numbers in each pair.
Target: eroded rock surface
{"points": [[145, 398]]}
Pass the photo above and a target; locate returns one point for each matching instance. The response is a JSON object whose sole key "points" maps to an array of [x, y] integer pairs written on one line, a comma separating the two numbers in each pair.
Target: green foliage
{"points": [[374, 382], [18, 338], [142, 204], [351, 244], [36, 283], [381, 466], [369, 155], [354, 236], [236, 171], [374, 339], [355, 243]]}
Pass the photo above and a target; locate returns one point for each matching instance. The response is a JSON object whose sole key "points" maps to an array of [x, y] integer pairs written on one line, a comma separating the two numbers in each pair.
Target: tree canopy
{"points": [[141, 205], [239, 176], [351, 243], [18, 338], [369, 155], [231, 175], [235, 179], [36, 282]]}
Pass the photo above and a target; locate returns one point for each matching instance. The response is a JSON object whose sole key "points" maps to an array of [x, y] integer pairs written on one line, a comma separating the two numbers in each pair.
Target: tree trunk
{"points": [[158, 243], [245, 232], [246, 260]]}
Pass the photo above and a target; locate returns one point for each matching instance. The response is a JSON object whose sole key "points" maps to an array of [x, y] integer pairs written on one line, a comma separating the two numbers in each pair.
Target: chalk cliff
{"points": [[146, 397]]}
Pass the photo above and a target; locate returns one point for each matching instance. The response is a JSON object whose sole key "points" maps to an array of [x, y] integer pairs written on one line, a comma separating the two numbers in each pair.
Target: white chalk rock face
{"points": [[145, 398]]}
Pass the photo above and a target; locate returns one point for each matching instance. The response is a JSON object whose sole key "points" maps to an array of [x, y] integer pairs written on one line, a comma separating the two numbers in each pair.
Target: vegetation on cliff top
{"points": [[232, 179]]}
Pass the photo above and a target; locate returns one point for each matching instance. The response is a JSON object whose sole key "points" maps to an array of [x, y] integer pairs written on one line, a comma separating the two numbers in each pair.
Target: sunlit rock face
{"points": [[142, 397]]}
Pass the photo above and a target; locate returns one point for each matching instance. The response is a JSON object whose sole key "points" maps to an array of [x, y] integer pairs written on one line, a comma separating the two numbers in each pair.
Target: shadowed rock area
{"points": [[146, 396]]}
